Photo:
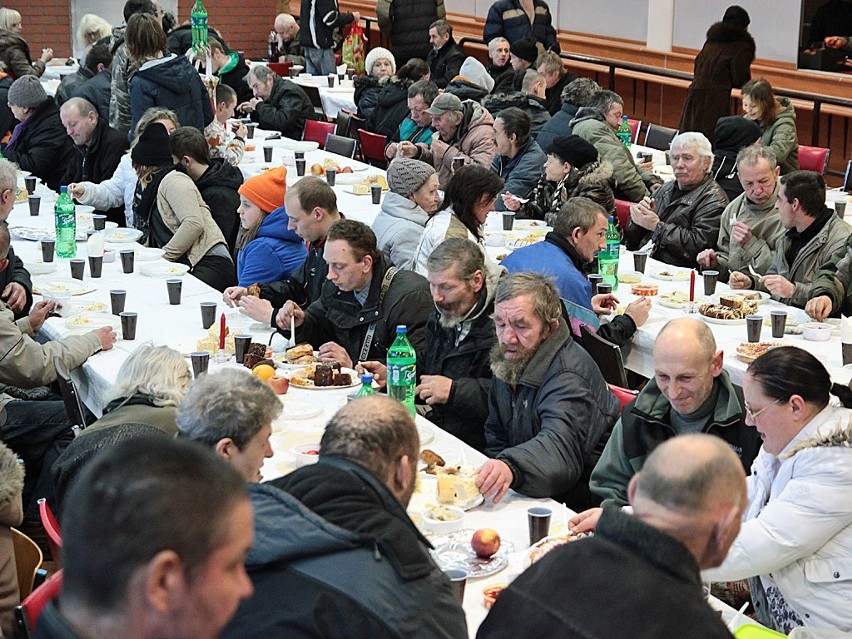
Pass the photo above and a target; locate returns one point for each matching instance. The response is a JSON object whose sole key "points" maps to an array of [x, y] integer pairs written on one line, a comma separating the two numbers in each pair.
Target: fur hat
{"points": [[152, 147], [266, 190], [377, 53], [473, 70], [736, 16], [574, 150], [26, 92], [525, 49], [406, 175]]}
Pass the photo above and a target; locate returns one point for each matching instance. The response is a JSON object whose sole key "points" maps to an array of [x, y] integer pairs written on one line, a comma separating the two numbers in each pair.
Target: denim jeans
{"points": [[319, 61]]}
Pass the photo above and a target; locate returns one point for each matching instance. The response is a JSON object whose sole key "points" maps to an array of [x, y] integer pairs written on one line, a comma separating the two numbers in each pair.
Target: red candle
{"points": [[691, 286], [222, 329]]}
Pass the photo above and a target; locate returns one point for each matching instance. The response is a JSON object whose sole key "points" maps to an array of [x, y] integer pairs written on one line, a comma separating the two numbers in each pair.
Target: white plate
{"points": [[723, 322], [87, 306], [426, 432], [91, 321], [62, 285], [122, 236], [346, 179], [40, 268], [142, 253], [37, 235], [296, 409], [356, 381], [278, 358], [679, 305], [164, 270], [454, 551], [764, 297], [677, 275], [295, 145], [428, 493]]}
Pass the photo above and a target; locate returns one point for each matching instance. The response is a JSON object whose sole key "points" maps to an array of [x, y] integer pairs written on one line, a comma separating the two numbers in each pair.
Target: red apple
{"points": [[485, 542], [279, 384]]}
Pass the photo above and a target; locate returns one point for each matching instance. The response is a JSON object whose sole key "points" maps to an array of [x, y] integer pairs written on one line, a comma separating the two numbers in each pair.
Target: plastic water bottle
{"points": [[66, 224], [624, 133], [608, 258], [198, 18], [366, 386], [402, 369]]}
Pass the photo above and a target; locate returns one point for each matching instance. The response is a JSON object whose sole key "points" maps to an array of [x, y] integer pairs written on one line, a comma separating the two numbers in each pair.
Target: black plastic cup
{"points": [[267, 154], [127, 257], [174, 289], [640, 259], [349, 73], [754, 323], [376, 192], [117, 298], [300, 167], [128, 325], [508, 220], [250, 127], [78, 267], [208, 314], [710, 280], [48, 249], [595, 279], [779, 323], [299, 155], [35, 204], [241, 345], [99, 221], [30, 184], [538, 519], [200, 362], [331, 176], [840, 209], [96, 265], [604, 289], [331, 77], [458, 580]]}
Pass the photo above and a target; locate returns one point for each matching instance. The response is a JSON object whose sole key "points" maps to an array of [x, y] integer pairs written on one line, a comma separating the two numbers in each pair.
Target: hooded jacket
{"points": [[398, 228], [274, 254], [520, 173], [219, 186], [733, 133], [336, 556], [466, 89], [558, 125], [407, 22], [173, 83], [234, 75], [43, 148], [367, 91], [780, 136], [391, 107], [534, 106], [286, 109], [591, 181], [445, 63], [15, 56]]}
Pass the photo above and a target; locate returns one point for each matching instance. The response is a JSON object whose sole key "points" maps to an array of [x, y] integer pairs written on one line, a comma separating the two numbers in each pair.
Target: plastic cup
{"points": [[754, 323], [349, 73], [376, 193], [267, 154], [78, 266], [710, 280], [595, 279], [127, 257], [208, 314], [96, 265], [300, 167], [241, 344], [174, 289], [200, 362], [779, 323], [99, 221], [508, 220], [847, 354], [340, 77], [128, 325], [640, 259], [30, 184], [250, 127], [538, 519], [299, 155], [647, 157], [604, 288], [48, 248], [331, 176], [35, 203], [458, 580], [117, 298], [331, 77], [840, 208]]}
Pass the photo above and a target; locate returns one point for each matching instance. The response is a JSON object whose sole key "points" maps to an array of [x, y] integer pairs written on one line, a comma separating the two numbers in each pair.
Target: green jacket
{"points": [[834, 279], [781, 137]]}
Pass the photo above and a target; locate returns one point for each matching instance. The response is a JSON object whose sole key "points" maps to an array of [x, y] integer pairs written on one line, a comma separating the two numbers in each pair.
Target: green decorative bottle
{"points": [[198, 17], [66, 224]]}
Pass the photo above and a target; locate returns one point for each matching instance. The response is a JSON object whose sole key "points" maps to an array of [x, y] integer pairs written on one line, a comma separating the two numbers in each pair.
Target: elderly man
{"points": [[231, 412], [751, 225], [154, 535], [814, 234], [98, 148], [278, 104], [689, 393], [519, 157], [498, 64], [446, 57], [579, 233], [687, 504], [287, 32], [364, 300], [231, 69], [465, 129], [16, 287], [597, 123], [556, 78], [336, 554], [417, 127], [550, 411], [682, 218]]}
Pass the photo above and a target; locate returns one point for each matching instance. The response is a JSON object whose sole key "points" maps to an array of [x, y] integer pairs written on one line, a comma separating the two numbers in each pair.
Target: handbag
{"points": [[353, 48]]}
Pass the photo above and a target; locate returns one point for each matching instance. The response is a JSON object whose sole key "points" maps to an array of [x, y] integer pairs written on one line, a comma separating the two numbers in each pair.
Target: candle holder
{"points": [[221, 356], [690, 308]]}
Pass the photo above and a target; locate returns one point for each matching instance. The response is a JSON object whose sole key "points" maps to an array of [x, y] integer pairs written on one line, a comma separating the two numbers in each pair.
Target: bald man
{"points": [[687, 503], [690, 393], [287, 32]]}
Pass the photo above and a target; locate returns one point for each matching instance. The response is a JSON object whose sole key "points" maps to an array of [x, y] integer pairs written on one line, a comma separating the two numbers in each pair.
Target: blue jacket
{"points": [[521, 172], [558, 125], [274, 254], [506, 18], [173, 83]]}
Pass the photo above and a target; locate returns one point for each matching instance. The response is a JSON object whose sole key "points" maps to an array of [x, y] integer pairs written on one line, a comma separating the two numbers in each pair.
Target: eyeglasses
{"points": [[754, 415]]}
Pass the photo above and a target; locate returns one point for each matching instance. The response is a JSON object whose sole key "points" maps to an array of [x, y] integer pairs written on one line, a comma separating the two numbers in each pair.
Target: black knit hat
{"points": [[152, 148], [574, 150], [525, 49], [736, 16]]}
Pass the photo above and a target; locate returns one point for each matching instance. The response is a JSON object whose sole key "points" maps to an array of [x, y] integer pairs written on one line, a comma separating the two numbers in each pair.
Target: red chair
{"points": [[624, 395], [30, 609], [622, 212], [51, 527], [316, 131], [373, 148], [814, 158], [281, 68], [634, 125]]}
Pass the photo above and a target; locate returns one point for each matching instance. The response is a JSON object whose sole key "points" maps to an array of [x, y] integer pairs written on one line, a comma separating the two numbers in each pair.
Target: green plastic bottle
{"points": [[608, 258], [366, 386], [66, 224], [402, 369], [198, 18], [624, 133]]}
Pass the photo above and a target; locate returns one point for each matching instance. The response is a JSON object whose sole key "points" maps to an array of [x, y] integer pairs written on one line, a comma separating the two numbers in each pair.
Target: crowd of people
{"points": [[693, 479]]}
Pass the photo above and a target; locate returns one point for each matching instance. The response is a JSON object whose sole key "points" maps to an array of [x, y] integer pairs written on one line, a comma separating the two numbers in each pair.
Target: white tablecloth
{"points": [[341, 96]]}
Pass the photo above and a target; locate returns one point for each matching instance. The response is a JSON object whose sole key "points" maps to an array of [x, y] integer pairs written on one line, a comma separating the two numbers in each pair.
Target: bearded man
{"points": [[550, 410]]}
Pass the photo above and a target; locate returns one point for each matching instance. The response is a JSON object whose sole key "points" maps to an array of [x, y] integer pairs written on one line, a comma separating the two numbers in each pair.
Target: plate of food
{"points": [[674, 299], [37, 234], [455, 551], [87, 306], [296, 357], [731, 309], [540, 548], [324, 377], [164, 270], [645, 290], [41, 268], [88, 321], [122, 235], [671, 275], [68, 286], [363, 185], [749, 351], [630, 277]]}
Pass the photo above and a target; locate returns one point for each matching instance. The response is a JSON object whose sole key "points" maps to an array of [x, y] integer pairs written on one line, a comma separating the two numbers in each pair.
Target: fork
{"points": [[754, 273]]}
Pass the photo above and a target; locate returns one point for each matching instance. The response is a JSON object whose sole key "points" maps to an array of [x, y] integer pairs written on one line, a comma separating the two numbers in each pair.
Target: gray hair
{"points": [[551, 62], [442, 27], [547, 305], [460, 252], [232, 403], [754, 153], [152, 115], [261, 72], [699, 140], [492, 44], [426, 88], [285, 20], [603, 101], [531, 78], [5, 239], [157, 371], [81, 105], [580, 92], [8, 175], [8, 17], [578, 212]]}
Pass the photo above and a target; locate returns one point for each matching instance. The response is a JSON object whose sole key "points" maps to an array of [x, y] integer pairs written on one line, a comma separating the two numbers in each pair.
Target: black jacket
{"points": [[179, 39], [337, 317], [532, 105], [235, 78], [407, 22], [318, 20], [367, 91], [286, 110], [97, 90], [218, 187], [7, 120], [558, 125], [553, 95], [44, 149], [445, 63], [466, 90], [69, 84], [303, 287], [391, 108], [17, 272]]}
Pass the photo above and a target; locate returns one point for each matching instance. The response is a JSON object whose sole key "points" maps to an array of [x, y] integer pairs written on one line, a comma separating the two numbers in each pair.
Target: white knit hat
{"points": [[375, 54]]}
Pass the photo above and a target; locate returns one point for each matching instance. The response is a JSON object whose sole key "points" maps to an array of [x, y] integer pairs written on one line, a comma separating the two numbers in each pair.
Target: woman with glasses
{"points": [[796, 540]]}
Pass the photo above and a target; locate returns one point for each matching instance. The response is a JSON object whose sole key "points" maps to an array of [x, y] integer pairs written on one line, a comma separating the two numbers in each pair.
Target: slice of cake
{"points": [[456, 487]]}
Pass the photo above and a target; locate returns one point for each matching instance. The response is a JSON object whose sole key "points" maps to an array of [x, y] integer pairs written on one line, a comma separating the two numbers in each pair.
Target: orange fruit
{"points": [[264, 371]]}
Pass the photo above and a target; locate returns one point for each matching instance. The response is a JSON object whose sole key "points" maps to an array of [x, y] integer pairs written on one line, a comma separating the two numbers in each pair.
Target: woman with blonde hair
{"points": [[14, 50], [91, 29], [776, 118]]}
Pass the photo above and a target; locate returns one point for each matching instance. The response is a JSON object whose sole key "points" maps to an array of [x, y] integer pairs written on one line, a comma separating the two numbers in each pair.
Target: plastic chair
{"points": [[28, 559], [70, 397], [622, 212], [340, 145], [814, 158], [634, 125], [51, 527], [373, 148], [313, 94], [659, 137], [607, 356], [27, 614], [281, 68], [341, 122], [624, 395], [316, 131]]}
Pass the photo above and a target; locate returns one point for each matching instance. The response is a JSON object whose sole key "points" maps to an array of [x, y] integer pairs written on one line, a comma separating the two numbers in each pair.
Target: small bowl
{"points": [[495, 239], [306, 454], [645, 290], [109, 256], [817, 331], [454, 519]]}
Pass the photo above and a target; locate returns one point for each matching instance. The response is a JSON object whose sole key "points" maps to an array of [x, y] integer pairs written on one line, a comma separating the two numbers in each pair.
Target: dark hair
{"points": [[358, 236], [466, 188], [515, 122], [784, 372], [806, 186], [415, 70], [169, 21], [225, 93], [426, 88], [760, 91], [134, 500], [188, 140], [145, 38], [132, 7], [577, 212], [580, 92], [214, 45], [98, 54]]}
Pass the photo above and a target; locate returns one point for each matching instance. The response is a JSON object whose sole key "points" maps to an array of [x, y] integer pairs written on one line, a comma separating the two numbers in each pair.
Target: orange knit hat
{"points": [[266, 190]]}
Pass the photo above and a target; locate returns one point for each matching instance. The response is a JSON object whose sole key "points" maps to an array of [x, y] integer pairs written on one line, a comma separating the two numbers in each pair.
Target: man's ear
{"points": [[402, 474], [163, 582], [225, 448]]}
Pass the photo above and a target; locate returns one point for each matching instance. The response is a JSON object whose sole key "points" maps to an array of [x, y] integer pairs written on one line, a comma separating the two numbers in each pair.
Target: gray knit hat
{"points": [[406, 175], [26, 92]]}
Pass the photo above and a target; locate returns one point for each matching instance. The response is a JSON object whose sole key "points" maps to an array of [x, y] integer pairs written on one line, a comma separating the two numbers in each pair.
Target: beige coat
{"points": [[11, 515]]}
